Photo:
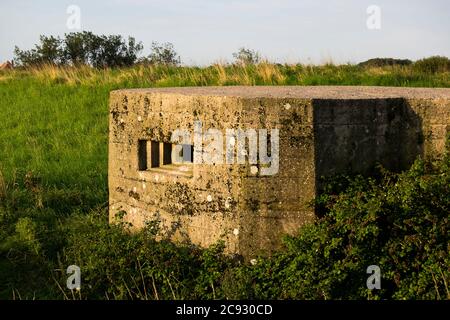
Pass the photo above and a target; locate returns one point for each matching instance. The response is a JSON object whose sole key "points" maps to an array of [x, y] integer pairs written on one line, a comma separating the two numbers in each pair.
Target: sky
{"points": [[208, 31]]}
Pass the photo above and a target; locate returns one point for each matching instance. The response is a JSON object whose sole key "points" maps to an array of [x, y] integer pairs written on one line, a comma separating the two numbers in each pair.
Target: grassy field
{"points": [[53, 162], [54, 120]]}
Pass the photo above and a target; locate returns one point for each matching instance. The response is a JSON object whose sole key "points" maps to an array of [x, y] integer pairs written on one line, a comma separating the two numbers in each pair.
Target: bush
{"points": [[383, 62], [162, 54], [399, 222], [117, 264], [246, 57], [433, 64]]}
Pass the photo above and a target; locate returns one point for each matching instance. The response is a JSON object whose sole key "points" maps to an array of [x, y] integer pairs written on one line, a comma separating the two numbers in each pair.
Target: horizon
{"points": [[204, 32]]}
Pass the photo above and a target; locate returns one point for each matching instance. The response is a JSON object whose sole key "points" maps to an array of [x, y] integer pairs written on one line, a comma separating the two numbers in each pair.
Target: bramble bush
{"points": [[399, 222]]}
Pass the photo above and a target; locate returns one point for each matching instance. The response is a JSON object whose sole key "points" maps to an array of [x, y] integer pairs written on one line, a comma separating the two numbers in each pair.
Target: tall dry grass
{"points": [[221, 74]]}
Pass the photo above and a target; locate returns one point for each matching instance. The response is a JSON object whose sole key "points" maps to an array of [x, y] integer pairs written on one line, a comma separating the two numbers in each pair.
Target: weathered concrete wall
{"points": [[323, 131]]}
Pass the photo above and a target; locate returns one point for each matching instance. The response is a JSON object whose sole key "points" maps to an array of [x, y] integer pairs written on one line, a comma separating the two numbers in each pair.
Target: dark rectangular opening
{"points": [[154, 149], [155, 154], [142, 155], [167, 153]]}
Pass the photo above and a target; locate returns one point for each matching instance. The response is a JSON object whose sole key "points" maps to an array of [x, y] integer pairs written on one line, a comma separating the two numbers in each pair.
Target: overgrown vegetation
{"points": [[433, 64], [53, 201]]}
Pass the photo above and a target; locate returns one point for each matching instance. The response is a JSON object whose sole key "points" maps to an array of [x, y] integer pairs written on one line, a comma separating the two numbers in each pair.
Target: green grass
{"points": [[54, 121], [53, 164]]}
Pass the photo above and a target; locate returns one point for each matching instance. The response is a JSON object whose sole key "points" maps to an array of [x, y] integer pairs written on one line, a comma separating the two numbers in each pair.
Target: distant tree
{"points": [[76, 47], [163, 54], [113, 51], [26, 58], [48, 51], [246, 56], [381, 62], [132, 51], [81, 48]]}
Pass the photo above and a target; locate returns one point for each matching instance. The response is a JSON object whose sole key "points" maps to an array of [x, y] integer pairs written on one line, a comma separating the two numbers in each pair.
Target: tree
{"points": [[48, 51], [113, 51], [382, 62], [81, 48], [163, 54], [76, 47], [26, 58], [246, 56]]}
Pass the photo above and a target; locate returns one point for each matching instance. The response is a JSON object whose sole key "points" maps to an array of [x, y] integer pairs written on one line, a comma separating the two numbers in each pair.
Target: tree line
{"points": [[105, 51], [98, 51], [112, 51]]}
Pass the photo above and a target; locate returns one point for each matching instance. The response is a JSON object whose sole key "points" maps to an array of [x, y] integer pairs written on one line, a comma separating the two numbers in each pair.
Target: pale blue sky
{"points": [[205, 31]]}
